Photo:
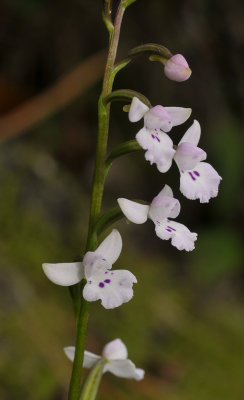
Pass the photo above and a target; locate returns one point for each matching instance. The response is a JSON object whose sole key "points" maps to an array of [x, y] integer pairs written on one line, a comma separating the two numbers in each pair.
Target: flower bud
{"points": [[177, 68]]}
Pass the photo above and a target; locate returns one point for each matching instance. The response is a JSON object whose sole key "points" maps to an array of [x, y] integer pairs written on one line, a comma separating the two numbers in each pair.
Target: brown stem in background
{"points": [[42, 106]]}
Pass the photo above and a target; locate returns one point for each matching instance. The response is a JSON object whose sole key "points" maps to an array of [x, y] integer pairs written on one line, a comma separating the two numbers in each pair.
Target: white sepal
{"points": [[193, 134], [64, 274], [166, 191], [137, 110], [178, 114], [115, 350], [89, 358], [134, 212], [111, 247]]}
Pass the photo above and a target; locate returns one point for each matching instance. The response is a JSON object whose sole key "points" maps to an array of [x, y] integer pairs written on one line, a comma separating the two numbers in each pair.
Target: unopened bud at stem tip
{"points": [[177, 68]]}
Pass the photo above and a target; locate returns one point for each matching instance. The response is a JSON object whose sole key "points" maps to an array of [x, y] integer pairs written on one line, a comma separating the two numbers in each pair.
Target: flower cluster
{"points": [[198, 180]]}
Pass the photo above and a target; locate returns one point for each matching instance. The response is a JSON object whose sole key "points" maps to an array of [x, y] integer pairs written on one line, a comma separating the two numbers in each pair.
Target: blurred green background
{"points": [[185, 324]]}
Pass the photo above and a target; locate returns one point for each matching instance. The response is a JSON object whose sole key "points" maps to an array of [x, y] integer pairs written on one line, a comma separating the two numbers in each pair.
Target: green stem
{"points": [[74, 389], [103, 125], [96, 197]]}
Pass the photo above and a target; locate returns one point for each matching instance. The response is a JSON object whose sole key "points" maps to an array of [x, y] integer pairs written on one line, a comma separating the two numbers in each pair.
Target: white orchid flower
{"points": [[163, 207], [152, 137], [198, 179], [112, 287], [115, 353]]}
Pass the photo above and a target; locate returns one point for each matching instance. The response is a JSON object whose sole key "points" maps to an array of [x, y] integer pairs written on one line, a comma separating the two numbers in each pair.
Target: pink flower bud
{"points": [[177, 68]]}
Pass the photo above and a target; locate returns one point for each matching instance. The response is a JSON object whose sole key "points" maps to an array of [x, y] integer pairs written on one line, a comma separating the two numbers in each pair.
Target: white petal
{"points": [[115, 350], [64, 274], [111, 247], [93, 262], [112, 287], [193, 134], [159, 148], [124, 369], [166, 191], [178, 114], [158, 118], [179, 234], [89, 358], [164, 207], [137, 110], [70, 352], [200, 183], [134, 212], [188, 155]]}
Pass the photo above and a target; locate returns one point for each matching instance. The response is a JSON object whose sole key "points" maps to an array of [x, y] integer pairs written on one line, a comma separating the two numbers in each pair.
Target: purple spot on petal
{"points": [[107, 280], [104, 259], [157, 222], [169, 230], [191, 175], [111, 273], [89, 282], [153, 136], [170, 227], [196, 173], [106, 272], [101, 285], [158, 139]]}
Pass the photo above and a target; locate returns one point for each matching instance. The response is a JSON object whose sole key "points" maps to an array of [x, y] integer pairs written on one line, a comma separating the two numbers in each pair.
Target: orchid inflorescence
{"points": [[93, 275]]}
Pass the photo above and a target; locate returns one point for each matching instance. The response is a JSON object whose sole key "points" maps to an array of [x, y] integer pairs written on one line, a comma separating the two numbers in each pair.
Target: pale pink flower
{"points": [[198, 179], [116, 356], [152, 136], [163, 207], [112, 287]]}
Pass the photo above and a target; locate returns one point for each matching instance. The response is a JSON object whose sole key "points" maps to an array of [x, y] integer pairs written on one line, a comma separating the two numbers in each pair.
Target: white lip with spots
{"points": [[112, 287]]}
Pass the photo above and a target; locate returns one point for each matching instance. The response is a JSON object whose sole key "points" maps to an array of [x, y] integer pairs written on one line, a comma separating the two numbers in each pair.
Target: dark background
{"points": [[185, 324]]}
